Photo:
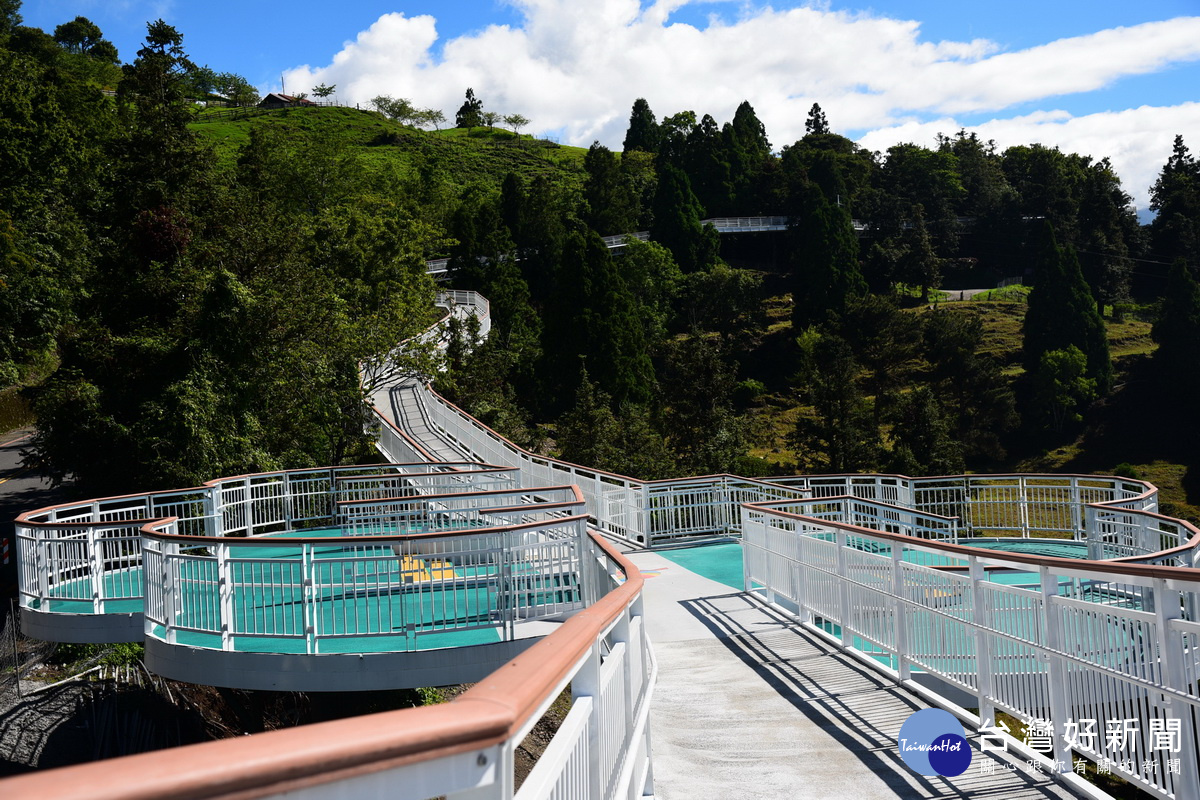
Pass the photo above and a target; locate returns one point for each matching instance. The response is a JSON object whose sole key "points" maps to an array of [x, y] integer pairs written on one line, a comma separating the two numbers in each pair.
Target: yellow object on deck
{"points": [[415, 570]]}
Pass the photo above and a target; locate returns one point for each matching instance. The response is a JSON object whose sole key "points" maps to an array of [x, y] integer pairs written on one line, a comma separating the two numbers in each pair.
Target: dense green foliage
{"points": [[1065, 345], [1175, 232], [209, 288], [207, 322]]}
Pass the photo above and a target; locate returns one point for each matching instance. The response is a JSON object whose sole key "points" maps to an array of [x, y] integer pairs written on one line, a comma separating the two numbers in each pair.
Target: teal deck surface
{"points": [[718, 562], [367, 600]]}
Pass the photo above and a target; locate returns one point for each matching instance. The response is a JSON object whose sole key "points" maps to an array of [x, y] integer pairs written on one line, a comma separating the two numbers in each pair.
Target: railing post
{"points": [[1078, 515], [309, 595], [1056, 668], [248, 506], [720, 495], [1023, 508], [799, 575], [844, 588], [168, 588], [984, 661], [1092, 534], [225, 595], [287, 498], [644, 514], [1167, 607], [751, 538], [620, 635], [586, 683], [968, 514], [95, 570], [43, 543], [214, 511], [508, 594], [903, 667]]}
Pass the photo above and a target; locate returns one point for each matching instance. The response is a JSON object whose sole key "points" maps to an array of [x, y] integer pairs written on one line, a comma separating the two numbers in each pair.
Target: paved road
{"points": [[20, 490], [748, 705], [963, 294]]}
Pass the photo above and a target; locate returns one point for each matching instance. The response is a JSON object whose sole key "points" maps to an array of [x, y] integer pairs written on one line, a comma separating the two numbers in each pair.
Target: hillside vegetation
{"points": [[208, 285], [381, 144]]}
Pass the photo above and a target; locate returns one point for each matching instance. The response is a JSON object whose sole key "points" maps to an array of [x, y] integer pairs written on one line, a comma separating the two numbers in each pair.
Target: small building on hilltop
{"points": [[277, 100]]}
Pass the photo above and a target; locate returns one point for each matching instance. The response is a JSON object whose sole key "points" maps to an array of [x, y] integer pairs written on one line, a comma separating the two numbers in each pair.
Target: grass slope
{"points": [[479, 155], [1099, 450]]}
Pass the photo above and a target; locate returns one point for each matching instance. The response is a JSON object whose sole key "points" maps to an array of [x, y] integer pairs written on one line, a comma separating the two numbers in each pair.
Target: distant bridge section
{"points": [[439, 268]]}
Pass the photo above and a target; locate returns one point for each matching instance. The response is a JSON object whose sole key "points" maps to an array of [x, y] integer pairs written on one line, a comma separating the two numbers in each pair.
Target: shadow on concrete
{"points": [[858, 708]]}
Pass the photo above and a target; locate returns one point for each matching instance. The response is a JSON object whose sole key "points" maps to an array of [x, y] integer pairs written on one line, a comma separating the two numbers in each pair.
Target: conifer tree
{"points": [[1107, 225], [968, 384], [1175, 231], [816, 122], [1062, 313], [924, 438], [824, 259], [701, 425], [610, 202], [918, 264], [706, 160], [643, 133], [589, 432], [1177, 332], [470, 113], [593, 315], [839, 434], [677, 215], [748, 154]]}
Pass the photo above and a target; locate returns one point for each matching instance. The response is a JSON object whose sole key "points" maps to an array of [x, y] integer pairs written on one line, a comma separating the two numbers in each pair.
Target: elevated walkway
{"points": [[748, 705], [402, 407], [875, 607]]}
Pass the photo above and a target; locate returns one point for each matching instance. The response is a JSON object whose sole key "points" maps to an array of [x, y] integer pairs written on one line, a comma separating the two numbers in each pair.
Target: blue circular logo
{"points": [[931, 742]]}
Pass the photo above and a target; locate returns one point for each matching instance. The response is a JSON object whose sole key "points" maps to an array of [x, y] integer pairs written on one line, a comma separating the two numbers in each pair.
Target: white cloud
{"points": [[577, 67]]}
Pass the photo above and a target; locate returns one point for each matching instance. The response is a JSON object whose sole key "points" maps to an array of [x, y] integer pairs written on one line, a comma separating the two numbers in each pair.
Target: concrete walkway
{"points": [[401, 406], [750, 706]]}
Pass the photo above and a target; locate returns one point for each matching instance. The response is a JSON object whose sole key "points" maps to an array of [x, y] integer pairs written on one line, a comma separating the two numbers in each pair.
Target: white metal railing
{"points": [[872, 514], [430, 512], [439, 268], [462, 749], [640, 512], [384, 593], [650, 513], [1086, 642], [1021, 505], [1124, 531], [721, 224], [85, 557]]}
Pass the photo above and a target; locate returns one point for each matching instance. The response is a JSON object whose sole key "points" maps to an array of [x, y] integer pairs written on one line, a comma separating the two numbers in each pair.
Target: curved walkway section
{"points": [[862, 602], [404, 593], [358, 577], [878, 568], [462, 749]]}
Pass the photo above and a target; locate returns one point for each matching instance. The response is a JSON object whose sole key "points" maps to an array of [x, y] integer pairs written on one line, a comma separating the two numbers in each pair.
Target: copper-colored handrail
{"points": [[1050, 562], [495, 709]]}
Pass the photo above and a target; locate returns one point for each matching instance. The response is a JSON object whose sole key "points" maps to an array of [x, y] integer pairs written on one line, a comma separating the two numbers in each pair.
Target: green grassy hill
{"points": [[464, 156]]}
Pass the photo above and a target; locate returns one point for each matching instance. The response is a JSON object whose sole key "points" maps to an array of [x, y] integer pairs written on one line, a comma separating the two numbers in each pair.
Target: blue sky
{"points": [[1101, 78]]}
